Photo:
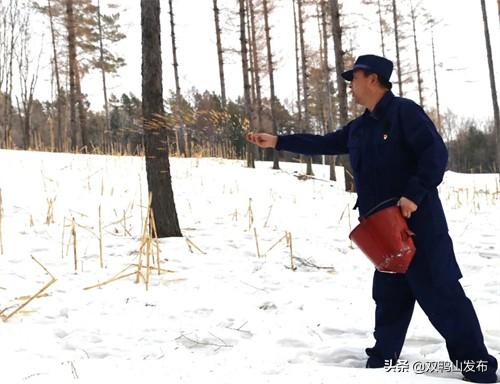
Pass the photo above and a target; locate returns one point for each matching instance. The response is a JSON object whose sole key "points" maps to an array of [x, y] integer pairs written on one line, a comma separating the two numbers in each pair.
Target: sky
{"points": [[463, 79]]}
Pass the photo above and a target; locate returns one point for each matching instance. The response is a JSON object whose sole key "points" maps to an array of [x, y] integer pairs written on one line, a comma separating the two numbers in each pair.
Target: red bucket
{"points": [[386, 239]]}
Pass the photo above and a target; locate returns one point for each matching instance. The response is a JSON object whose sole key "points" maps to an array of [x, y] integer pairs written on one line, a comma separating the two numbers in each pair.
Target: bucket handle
{"points": [[394, 199]]}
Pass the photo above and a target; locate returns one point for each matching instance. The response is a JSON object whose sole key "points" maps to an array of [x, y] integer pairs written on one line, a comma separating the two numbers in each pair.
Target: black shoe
{"points": [[372, 366], [375, 360]]}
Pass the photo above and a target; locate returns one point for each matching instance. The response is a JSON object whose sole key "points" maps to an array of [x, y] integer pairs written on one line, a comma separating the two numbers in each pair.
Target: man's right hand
{"points": [[263, 140]]}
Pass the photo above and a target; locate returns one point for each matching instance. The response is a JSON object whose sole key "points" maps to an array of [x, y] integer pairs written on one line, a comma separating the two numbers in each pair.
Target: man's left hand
{"points": [[407, 207]]}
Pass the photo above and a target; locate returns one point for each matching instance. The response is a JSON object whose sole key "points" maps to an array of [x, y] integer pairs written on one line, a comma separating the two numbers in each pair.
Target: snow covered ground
{"points": [[225, 315]]}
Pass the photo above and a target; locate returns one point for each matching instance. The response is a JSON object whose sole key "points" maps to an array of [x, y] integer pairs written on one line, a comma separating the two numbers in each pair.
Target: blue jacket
{"points": [[395, 151]]}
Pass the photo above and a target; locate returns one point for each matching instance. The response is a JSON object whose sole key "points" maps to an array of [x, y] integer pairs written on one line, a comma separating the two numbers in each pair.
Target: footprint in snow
{"points": [[344, 332], [61, 333], [292, 343], [344, 357], [422, 341]]}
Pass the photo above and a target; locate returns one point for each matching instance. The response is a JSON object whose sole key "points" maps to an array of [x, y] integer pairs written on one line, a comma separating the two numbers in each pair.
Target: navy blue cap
{"points": [[372, 63]]}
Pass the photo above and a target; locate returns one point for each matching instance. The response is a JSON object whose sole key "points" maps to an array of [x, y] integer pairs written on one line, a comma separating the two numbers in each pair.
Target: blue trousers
{"points": [[446, 306]]}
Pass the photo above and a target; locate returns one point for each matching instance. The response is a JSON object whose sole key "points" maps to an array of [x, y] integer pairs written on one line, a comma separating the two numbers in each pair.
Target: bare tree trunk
{"points": [[328, 88], [82, 114], [339, 60], [220, 55], [155, 140], [498, 4], [436, 90], [271, 80], [396, 37], [13, 11], [58, 81], [107, 130], [256, 66], [419, 75], [246, 83], [297, 66], [326, 66], [253, 92], [494, 99], [3, 37], [28, 79], [181, 144], [321, 95], [305, 86], [341, 86], [381, 24], [70, 26]]}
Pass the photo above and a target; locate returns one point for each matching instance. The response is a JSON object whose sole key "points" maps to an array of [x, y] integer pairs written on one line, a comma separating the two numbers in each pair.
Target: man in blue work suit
{"points": [[396, 152]]}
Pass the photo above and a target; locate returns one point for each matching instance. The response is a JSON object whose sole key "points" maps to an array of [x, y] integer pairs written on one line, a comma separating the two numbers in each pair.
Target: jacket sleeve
{"points": [[428, 148], [333, 143]]}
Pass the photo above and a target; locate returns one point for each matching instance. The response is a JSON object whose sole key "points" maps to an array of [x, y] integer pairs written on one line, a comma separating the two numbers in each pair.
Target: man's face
{"points": [[360, 87]]}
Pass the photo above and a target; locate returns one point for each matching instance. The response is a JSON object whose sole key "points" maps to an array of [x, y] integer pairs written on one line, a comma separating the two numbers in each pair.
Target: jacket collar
{"points": [[382, 106]]}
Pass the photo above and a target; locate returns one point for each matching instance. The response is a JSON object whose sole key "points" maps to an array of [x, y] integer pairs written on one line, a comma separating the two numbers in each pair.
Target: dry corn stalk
{"points": [[289, 243], [268, 215], [62, 238], [256, 241], [157, 243], [285, 236], [73, 235], [101, 261], [110, 280], [49, 219], [145, 236], [250, 213], [148, 241], [31, 298], [191, 244], [146, 248]]}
